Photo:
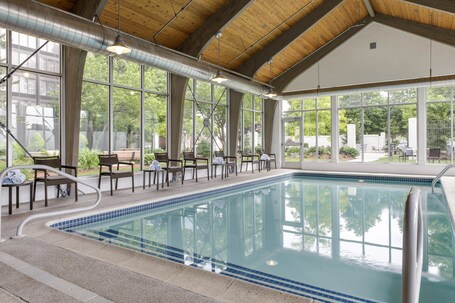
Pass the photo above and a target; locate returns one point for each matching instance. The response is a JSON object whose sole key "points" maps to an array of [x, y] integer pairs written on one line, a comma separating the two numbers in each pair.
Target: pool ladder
{"points": [[20, 228], [439, 176], [412, 248]]}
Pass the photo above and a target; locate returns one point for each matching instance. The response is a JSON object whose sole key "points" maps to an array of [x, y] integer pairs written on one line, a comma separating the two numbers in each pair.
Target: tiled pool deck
{"points": [[116, 274]]}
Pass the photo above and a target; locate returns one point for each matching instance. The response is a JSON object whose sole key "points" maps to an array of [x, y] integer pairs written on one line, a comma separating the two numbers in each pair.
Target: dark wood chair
{"points": [[51, 179], [249, 158], [109, 161], [191, 161], [170, 165], [230, 163], [434, 153]]}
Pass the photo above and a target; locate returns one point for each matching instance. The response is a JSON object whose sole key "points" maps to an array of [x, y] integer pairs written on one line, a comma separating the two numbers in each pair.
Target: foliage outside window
{"points": [[204, 119], [378, 126], [128, 93], [440, 134], [251, 125]]}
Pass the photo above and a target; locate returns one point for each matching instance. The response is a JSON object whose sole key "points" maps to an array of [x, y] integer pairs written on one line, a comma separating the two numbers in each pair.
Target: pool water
{"points": [[330, 240]]}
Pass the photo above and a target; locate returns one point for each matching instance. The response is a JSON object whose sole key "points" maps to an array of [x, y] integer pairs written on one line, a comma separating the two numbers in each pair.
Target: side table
{"points": [[10, 192], [156, 175]]}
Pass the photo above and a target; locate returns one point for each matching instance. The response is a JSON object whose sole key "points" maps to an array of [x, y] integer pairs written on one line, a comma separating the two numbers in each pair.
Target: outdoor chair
{"points": [[109, 161], [434, 153], [51, 179], [230, 163], [249, 158], [406, 153], [170, 165], [191, 161]]}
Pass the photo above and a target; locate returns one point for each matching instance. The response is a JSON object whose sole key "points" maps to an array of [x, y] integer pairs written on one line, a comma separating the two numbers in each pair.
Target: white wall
{"points": [[398, 55]]}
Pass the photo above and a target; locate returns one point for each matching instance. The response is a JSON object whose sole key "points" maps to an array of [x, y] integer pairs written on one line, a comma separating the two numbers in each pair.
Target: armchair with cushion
{"points": [[170, 165], [50, 179], [191, 161], [109, 161]]}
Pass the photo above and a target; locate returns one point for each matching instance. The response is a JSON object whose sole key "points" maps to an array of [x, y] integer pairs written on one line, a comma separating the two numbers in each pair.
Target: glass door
{"points": [[292, 142]]}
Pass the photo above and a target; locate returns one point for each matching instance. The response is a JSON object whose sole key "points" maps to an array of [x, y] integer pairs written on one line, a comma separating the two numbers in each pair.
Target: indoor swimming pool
{"points": [[330, 238]]}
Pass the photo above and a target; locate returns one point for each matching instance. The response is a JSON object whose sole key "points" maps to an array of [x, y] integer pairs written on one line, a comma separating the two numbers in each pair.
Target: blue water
{"points": [[316, 238]]}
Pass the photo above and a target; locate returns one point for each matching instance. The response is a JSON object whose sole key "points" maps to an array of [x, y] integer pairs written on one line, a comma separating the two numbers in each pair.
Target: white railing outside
{"points": [[20, 228], [438, 177], [412, 248]]}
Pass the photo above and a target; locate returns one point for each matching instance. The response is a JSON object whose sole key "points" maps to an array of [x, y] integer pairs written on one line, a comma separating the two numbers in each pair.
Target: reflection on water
{"points": [[342, 236]]}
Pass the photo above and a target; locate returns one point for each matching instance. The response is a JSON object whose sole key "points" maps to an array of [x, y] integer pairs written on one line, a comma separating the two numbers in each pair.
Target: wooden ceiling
{"points": [[248, 36]]}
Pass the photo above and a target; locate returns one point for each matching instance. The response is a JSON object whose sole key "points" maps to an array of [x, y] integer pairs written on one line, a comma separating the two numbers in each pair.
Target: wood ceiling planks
{"points": [[66, 5], [144, 18], [414, 12], [348, 13], [255, 27]]}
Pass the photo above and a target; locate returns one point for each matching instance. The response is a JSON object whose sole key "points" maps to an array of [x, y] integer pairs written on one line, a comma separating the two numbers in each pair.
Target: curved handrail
{"points": [[412, 248], [438, 177], [54, 213]]}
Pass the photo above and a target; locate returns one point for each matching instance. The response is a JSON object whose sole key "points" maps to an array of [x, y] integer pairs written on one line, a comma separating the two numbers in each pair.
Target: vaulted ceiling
{"points": [[294, 34]]}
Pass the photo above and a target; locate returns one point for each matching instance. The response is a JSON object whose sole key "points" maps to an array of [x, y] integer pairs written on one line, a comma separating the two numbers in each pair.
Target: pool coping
{"points": [[221, 287]]}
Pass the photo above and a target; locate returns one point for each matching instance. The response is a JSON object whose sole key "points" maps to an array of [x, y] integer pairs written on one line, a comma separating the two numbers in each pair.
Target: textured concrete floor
{"points": [[113, 273]]}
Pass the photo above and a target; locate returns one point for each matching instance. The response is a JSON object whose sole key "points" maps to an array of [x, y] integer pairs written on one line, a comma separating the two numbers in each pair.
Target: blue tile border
{"points": [[167, 202], [232, 270]]}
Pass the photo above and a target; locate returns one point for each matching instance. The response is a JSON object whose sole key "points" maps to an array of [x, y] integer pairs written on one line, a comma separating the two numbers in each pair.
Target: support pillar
{"points": [[178, 91], [269, 116], [74, 61], [235, 105]]}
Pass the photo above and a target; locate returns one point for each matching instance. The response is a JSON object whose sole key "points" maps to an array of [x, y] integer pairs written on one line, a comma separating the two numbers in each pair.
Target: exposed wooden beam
{"points": [[369, 86], [369, 7], [251, 66], [198, 40], [447, 6], [285, 78], [89, 8], [432, 32]]}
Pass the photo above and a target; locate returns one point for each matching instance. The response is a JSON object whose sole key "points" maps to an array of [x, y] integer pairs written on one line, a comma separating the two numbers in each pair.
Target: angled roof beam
{"points": [[285, 78], [89, 8], [432, 32], [251, 66], [441, 5], [197, 41], [369, 7]]}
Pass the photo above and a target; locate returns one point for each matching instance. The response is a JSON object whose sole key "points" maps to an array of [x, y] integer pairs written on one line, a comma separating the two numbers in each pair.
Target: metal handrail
{"points": [[438, 177], [412, 248], [50, 214]]}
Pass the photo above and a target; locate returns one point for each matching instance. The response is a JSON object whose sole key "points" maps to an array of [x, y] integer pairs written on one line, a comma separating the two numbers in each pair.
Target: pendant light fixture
{"points": [[271, 93], [219, 78], [119, 47]]}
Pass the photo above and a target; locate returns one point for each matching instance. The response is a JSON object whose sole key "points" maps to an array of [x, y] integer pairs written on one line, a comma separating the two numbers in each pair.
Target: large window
{"points": [[204, 119], [378, 126], [35, 97], [129, 94], [251, 125], [440, 142]]}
